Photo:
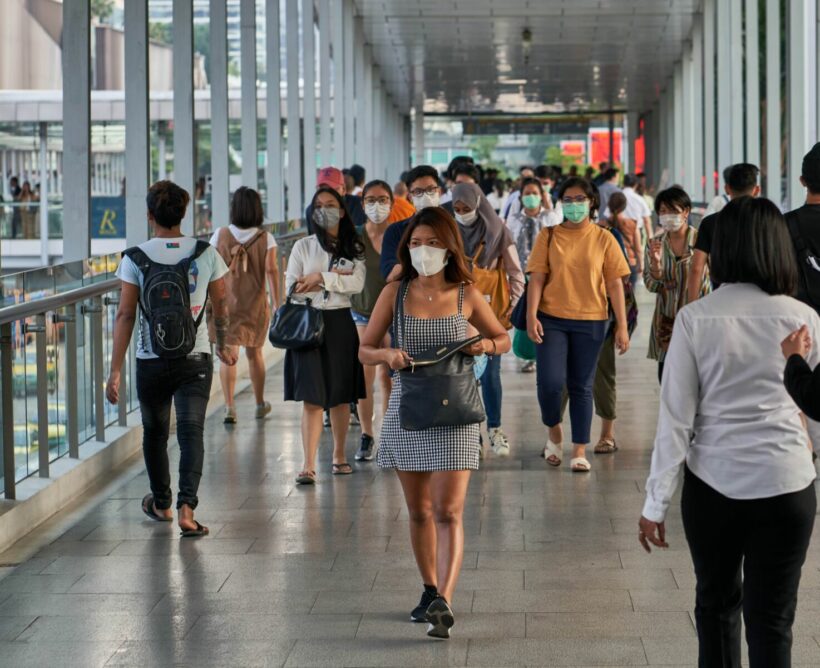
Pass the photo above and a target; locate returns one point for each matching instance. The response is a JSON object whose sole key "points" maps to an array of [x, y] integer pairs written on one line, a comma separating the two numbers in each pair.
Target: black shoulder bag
{"points": [[439, 389], [298, 325]]}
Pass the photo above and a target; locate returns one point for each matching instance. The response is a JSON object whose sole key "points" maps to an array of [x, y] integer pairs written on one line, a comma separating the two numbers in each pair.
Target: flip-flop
{"points": [[606, 446], [580, 465], [306, 478], [195, 533], [342, 469], [148, 509], [553, 453]]}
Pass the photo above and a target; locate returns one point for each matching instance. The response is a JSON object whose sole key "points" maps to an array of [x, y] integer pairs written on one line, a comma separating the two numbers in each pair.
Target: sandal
{"points": [[306, 478], [148, 509], [195, 533], [605, 446], [580, 465], [553, 453], [342, 469]]}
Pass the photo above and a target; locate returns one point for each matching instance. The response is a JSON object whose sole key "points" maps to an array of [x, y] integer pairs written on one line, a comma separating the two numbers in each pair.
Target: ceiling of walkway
{"points": [[462, 56]]}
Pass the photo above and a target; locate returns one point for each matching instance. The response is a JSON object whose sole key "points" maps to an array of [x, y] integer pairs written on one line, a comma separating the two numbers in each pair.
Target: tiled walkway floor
{"points": [[324, 576]]}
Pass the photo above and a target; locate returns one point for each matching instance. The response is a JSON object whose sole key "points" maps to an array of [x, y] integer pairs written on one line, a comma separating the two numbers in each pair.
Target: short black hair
{"points": [[419, 172], [811, 169], [358, 174], [167, 203], [467, 169], [726, 171], [630, 180], [455, 162], [610, 173], [545, 172], [523, 167], [752, 245], [589, 190], [742, 178], [674, 198], [378, 183], [532, 181], [246, 208]]}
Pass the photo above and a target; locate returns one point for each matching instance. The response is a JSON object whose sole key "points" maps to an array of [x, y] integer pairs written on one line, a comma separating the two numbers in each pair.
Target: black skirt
{"points": [[331, 374]]}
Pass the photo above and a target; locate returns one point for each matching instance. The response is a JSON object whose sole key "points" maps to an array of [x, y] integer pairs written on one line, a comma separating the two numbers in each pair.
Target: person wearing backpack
{"points": [[250, 253], [169, 279], [804, 228]]}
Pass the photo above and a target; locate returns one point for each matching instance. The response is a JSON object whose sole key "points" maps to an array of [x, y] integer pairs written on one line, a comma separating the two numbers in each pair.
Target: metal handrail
{"points": [[43, 305]]}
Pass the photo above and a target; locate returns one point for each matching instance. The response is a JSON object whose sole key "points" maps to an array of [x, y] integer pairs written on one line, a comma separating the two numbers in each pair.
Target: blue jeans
{"points": [[491, 391], [567, 358]]}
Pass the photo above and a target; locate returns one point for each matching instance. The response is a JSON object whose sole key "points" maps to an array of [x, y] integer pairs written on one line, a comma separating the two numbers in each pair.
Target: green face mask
{"points": [[576, 212], [531, 201]]}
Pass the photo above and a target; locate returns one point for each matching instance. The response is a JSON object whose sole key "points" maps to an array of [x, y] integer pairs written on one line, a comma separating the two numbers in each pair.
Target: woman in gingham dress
{"points": [[433, 464]]}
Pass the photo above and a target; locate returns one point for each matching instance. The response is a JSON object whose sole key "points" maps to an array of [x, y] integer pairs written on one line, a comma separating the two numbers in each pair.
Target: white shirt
{"points": [[636, 206], [724, 409], [542, 219], [308, 257], [716, 204], [515, 207], [243, 235], [207, 268]]}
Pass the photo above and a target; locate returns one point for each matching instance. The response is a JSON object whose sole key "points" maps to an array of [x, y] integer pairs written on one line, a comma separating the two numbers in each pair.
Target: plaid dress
{"points": [[438, 448]]}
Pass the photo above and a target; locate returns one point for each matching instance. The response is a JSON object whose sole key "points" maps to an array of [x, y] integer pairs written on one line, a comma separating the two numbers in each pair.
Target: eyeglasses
{"points": [[420, 192], [384, 201], [580, 199]]}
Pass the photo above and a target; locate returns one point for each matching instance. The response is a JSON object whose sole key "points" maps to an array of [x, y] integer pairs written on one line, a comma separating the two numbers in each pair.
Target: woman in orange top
{"points": [[573, 268], [402, 210]]}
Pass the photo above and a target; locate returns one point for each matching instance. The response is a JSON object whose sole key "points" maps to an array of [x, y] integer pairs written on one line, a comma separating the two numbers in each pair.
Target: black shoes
{"points": [[419, 613], [366, 447], [440, 618]]}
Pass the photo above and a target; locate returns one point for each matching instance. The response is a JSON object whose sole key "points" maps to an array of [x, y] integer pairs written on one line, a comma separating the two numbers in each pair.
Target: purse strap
{"points": [[398, 312]]}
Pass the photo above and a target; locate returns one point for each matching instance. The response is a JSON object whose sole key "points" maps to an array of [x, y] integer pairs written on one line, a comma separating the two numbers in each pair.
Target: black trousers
{"points": [[185, 382], [768, 540]]}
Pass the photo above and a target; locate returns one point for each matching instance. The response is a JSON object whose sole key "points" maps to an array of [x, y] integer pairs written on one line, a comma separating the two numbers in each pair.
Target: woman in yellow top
{"points": [[576, 271]]}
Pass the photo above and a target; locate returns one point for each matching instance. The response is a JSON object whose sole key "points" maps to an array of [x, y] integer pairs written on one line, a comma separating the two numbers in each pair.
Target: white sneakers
{"points": [[498, 442]]}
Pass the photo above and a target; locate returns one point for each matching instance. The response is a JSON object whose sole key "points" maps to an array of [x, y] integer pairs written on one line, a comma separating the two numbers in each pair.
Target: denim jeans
{"points": [[491, 391], [185, 382], [567, 357]]}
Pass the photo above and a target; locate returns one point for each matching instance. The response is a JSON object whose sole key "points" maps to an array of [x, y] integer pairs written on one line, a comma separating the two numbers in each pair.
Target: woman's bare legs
{"points": [[256, 370], [339, 424], [311, 433], [416, 487], [448, 491], [227, 378]]}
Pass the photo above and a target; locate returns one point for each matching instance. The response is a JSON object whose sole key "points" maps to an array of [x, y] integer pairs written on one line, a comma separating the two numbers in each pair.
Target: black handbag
{"points": [[297, 325], [439, 389]]}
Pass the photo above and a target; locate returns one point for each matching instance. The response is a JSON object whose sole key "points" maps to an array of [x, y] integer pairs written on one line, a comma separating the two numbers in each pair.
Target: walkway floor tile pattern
{"points": [[553, 574]]}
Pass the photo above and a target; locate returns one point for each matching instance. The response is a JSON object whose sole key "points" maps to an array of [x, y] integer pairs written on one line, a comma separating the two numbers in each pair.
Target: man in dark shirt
{"points": [[804, 226], [425, 191], [741, 180], [331, 177]]}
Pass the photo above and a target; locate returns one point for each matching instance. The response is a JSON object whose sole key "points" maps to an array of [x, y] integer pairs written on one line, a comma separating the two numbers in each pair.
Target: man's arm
{"points": [[123, 328], [695, 278], [390, 243]]}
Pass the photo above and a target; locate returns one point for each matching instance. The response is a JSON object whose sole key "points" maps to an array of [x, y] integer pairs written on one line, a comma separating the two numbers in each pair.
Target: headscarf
{"points": [[488, 227]]}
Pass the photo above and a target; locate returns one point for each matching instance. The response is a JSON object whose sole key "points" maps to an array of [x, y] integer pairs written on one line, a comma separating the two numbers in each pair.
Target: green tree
{"points": [[101, 9], [554, 156], [483, 147], [160, 32]]}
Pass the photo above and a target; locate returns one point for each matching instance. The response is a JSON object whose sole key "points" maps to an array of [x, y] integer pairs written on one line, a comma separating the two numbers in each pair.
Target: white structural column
{"points": [[725, 121], [378, 123], [709, 130], [309, 94], [77, 130], [294, 175], [137, 136], [678, 126], [184, 147], [361, 151], [736, 61], [220, 169], [696, 106], [688, 134], [773, 128], [325, 147], [247, 57], [44, 189], [752, 83], [418, 129], [366, 93], [802, 95], [274, 173], [351, 84], [340, 80]]}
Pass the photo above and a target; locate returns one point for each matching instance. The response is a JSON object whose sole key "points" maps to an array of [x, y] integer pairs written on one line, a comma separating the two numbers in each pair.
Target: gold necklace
{"points": [[423, 292]]}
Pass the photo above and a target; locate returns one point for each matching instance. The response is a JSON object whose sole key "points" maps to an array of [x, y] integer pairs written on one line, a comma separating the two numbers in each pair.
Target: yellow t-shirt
{"points": [[581, 261]]}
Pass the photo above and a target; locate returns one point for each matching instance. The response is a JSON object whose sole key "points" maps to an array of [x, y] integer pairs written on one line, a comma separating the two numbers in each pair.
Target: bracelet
{"points": [[495, 348]]}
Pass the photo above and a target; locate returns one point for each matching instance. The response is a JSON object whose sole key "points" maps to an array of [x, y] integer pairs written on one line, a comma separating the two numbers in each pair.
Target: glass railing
{"points": [[56, 336]]}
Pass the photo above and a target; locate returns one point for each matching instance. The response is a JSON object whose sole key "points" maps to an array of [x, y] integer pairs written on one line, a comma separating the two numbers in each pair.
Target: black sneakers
{"points": [[419, 613], [365, 452], [440, 618]]}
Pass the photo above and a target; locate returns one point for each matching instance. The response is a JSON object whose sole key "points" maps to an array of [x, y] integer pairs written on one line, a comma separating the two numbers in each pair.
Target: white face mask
{"points": [[467, 218], [377, 213], [670, 221], [426, 201], [428, 261]]}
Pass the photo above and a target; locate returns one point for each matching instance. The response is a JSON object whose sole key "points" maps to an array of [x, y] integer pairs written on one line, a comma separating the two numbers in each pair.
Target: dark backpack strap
{"points": [[794, 231], [142, 262]]}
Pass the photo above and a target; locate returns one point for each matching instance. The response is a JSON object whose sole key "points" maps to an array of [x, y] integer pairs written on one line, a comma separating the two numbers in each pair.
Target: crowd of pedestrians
{"points": [[410, 291]]}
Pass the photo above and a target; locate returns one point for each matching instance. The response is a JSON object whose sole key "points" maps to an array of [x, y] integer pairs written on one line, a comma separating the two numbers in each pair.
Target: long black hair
{"points": [[752, 245], [347, 243]]}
